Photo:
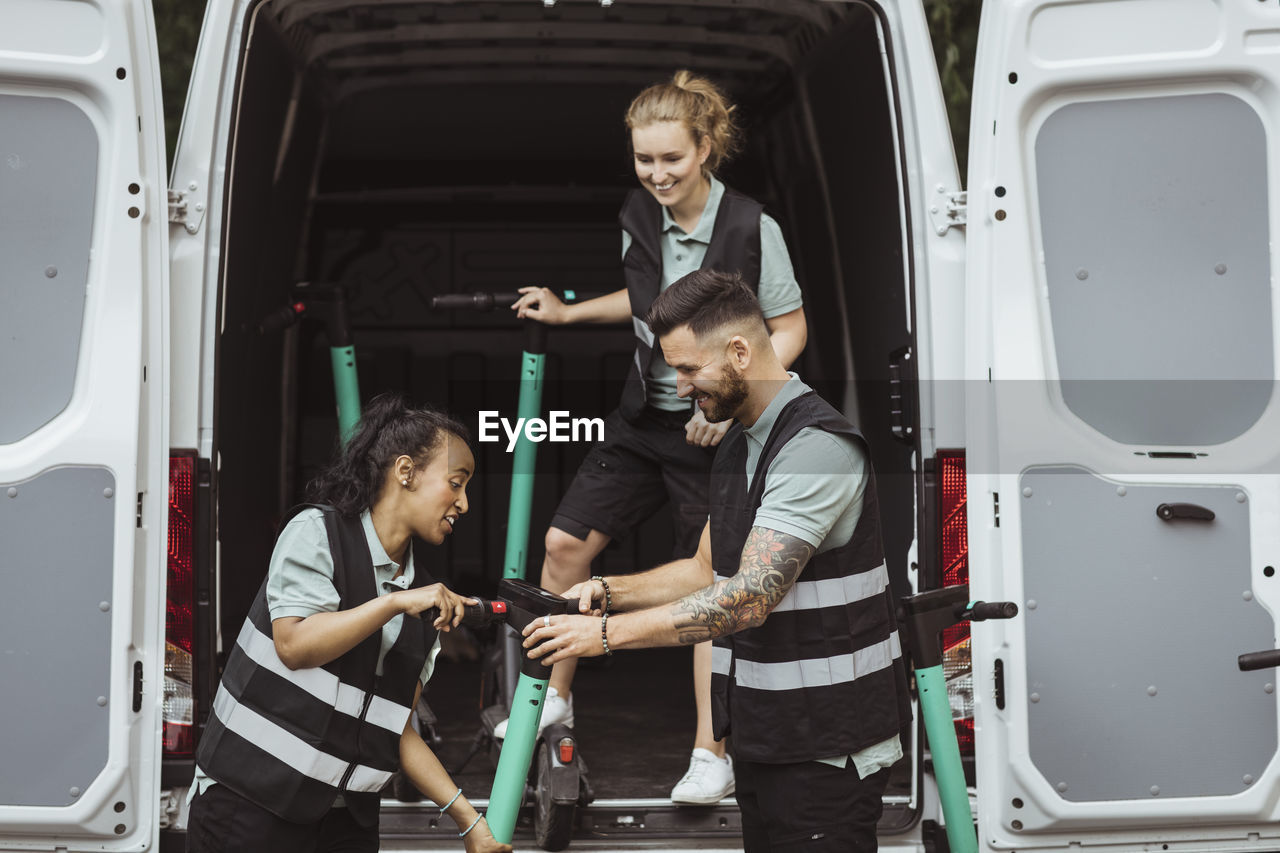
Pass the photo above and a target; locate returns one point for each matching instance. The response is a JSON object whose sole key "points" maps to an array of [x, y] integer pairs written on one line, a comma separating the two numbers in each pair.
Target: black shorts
{"points": [[222, 821], [808, 807], [638, 468]]}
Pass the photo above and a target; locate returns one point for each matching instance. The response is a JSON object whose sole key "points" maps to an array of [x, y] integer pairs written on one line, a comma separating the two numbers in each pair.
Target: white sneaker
{"points": [[556, 710], [708, 781]]}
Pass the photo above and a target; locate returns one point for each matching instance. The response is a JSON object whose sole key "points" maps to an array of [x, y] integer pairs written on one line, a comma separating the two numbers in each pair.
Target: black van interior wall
{"points": [[438, 147]]}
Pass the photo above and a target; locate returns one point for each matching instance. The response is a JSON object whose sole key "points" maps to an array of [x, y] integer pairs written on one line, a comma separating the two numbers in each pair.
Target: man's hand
{"points": [[541, 304], [566, 637], [452, 606], [699, 432], [590, 595]]}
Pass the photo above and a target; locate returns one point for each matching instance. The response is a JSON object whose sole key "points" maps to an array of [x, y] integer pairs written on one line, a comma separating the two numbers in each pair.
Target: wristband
{"points": [[445, 807], [604, 633], [464, 832], [608, 595]]}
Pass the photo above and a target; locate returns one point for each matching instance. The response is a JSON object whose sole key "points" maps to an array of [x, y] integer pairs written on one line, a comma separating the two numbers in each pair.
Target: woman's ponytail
{"points": [[387, 430]]}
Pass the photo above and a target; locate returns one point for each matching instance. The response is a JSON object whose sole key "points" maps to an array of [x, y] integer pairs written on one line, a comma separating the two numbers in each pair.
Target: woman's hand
{"points": [[698, 431], [541, 304], [452, 606], [481, 840], [590, 595]]}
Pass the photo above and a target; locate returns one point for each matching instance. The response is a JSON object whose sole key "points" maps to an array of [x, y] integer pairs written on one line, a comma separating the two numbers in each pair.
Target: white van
{"points": [[1081, 352]]}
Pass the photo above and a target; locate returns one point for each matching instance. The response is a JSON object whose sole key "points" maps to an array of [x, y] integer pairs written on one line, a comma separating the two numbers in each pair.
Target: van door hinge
{"points": [[186, 207], [949, 209]]}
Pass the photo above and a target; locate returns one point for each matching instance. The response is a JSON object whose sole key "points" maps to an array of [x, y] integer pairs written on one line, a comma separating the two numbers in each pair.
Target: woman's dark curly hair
{"points": [[387, 430]]}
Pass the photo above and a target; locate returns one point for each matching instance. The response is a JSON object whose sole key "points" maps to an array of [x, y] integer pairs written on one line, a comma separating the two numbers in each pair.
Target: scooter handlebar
{"points": [[980, 611], [481, 301], [486, 612]]}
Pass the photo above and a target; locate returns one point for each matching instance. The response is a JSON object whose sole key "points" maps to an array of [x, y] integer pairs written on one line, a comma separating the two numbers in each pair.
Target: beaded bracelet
{"points": [[464, 832], [604, 633], [445, 807], [608, 596]]}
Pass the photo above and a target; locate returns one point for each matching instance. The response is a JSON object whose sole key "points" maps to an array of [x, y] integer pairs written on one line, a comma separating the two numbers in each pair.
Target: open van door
{"points": [[1122, 421], [83, 435]]}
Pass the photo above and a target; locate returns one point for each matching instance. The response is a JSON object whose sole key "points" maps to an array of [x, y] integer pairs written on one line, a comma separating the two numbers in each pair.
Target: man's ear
{"points": [[739, 352]]}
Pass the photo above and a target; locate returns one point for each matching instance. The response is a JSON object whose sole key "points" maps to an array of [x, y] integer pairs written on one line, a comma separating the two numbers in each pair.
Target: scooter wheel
{"points": [[552, 821]]}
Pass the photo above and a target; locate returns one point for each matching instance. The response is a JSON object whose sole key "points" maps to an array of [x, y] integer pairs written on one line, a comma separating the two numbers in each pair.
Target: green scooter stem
{"points": [[346, 389], [526, 454], [517, 753], [945, 751]]}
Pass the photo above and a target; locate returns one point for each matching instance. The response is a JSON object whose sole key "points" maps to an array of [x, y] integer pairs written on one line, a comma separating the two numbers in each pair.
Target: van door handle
{"points": [[1192, 512], [1258, 660]]}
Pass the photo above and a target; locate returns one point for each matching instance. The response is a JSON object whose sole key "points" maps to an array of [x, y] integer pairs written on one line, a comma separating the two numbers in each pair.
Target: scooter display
{"points": [[927, 615]]}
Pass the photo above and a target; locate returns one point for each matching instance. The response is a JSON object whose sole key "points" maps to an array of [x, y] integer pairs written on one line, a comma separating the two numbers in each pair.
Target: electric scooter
{"points": [[928, 614], [559, 781]]}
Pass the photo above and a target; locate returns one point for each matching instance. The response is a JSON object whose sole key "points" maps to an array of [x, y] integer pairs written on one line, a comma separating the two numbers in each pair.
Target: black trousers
{"points": [[808, 807], [222, 821]]}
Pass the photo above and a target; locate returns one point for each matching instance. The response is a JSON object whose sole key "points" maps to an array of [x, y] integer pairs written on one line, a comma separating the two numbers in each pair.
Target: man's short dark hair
{"points": [[704, 300]]}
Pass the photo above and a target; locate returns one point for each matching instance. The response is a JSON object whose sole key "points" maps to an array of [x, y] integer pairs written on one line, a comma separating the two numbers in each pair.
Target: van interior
{"points": [[401, 149]]}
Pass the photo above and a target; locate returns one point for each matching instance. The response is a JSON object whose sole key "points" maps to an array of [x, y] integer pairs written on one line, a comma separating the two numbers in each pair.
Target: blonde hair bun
{"points": [[699, 105]]}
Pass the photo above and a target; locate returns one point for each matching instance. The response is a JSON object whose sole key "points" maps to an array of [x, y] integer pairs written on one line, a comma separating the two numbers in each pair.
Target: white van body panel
{"points": [[85, 480], [935, 254], [1121, 354]]}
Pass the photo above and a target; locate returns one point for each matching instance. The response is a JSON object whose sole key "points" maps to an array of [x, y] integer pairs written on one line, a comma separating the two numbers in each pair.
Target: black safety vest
{"points": [[735, 247], [823, 676], [293, 740]]}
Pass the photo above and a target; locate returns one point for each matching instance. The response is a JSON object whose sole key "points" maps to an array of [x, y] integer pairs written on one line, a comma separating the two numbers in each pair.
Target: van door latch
{"points": [[186, 207], [949, 210], [1195, 512]]}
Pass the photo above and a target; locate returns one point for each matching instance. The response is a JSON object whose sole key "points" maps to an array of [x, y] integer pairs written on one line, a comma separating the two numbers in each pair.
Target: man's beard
{"points": [[728, 398]]}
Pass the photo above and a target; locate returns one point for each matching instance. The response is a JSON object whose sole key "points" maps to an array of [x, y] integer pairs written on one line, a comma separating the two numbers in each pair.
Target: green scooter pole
{"points": [[525, 681], [928, 615], [530, 678]]}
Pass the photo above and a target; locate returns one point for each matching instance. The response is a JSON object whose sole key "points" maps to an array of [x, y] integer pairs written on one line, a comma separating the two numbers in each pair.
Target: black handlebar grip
{"points": [[983, 610], [281, 318], [476, 615], [1259, 660], [480, 301]]}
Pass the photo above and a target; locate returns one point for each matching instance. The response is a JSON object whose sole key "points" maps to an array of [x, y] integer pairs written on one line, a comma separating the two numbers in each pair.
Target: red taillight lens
{"points": [[180, 617], [953, 548], [566, 750]]}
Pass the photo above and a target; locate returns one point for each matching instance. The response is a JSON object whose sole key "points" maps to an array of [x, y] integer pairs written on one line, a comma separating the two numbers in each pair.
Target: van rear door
{"points": [[1122, 421], [83, 432]]}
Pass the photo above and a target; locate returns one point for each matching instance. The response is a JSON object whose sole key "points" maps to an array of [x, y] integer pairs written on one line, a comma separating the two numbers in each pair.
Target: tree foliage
{"points": [[953, 25], [177, 33]]}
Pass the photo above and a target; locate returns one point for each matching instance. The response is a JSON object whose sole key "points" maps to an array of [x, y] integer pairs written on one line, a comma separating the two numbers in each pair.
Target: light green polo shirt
{"points": [[683, 252], [300, 583], [813, 491]]}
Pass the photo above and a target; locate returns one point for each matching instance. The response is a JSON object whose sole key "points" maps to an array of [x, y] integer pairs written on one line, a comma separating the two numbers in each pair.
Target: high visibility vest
{"points": [[823, 675], [293, 740]]}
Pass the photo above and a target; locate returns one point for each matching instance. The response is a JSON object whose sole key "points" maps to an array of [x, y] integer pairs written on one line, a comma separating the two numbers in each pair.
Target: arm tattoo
{"points": [[771, 562]]}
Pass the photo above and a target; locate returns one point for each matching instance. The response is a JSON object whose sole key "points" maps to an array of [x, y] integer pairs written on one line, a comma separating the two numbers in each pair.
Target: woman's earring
{"points": [[404, 482]]}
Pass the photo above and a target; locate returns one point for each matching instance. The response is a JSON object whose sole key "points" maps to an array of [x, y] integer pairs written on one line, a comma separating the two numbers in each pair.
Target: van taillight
{"points": [[953, 547], [180, 618]]}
